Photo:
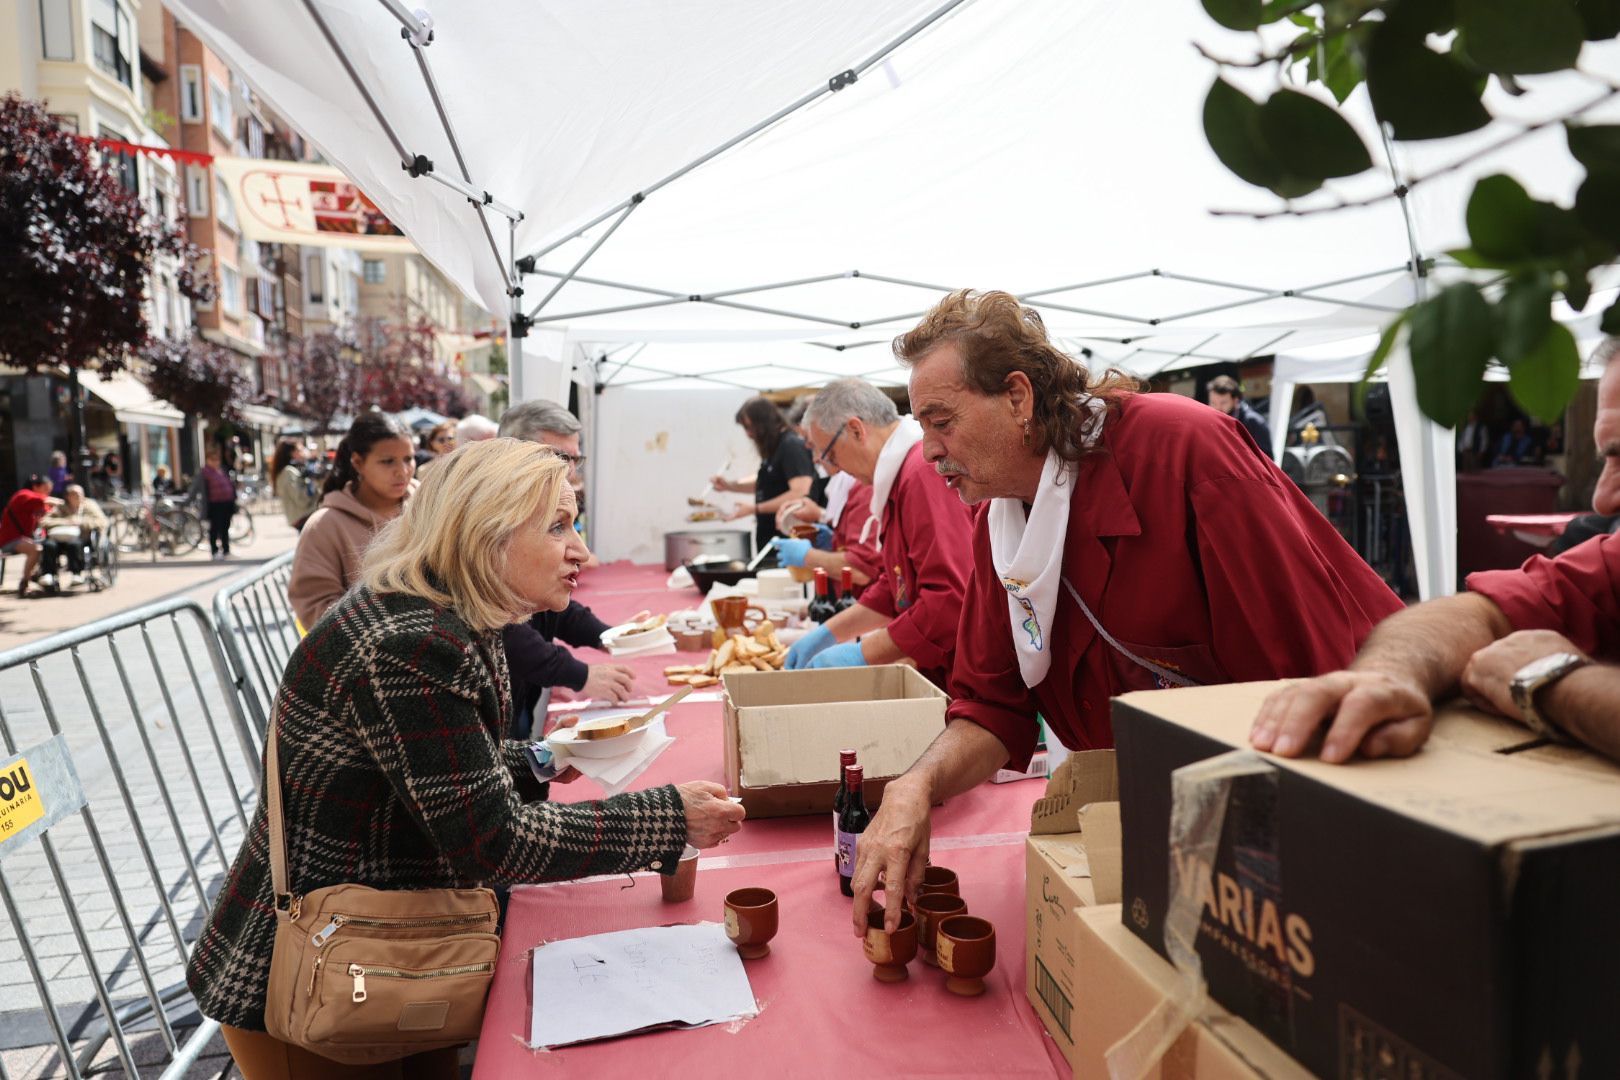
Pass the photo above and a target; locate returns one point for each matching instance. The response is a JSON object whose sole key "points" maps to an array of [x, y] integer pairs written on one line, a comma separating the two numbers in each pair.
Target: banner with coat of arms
{"points": [[293, 202]]}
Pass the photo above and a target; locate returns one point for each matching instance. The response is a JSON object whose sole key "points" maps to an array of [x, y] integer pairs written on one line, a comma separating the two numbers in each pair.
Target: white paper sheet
{"points": [[614, 984]]}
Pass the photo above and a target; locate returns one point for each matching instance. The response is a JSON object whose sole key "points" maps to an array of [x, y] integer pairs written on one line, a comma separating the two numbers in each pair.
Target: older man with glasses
{"points": [[923, 533]]}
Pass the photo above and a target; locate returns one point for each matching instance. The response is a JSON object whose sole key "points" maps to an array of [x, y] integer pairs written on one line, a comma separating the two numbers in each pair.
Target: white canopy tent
{"points": [[757, 195]]}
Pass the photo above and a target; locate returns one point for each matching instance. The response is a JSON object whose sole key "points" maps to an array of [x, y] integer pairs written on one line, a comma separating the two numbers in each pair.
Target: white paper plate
{"points": [[617, 746]]}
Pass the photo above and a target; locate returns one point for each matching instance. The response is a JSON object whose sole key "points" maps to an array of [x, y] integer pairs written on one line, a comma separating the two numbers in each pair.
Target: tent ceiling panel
{"points": [[561, 109]]}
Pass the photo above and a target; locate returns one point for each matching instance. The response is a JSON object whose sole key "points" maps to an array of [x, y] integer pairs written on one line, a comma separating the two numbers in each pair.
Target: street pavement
{"points": [[162, 707]]}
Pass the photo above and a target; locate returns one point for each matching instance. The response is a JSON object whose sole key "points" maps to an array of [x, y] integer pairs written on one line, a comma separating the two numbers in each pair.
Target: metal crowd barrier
{"points": [[146, 701], [257, 626]]}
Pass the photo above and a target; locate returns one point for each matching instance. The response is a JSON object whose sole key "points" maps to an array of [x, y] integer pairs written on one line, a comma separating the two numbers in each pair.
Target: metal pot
{"points": [[683, 547]]}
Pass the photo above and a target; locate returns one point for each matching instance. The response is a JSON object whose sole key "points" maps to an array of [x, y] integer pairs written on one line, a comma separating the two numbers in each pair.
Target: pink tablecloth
{"points": [[822, 1013]]}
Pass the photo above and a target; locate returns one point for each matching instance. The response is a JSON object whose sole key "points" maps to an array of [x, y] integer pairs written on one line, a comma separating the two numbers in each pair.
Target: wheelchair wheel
{"points": [[105, 572]]}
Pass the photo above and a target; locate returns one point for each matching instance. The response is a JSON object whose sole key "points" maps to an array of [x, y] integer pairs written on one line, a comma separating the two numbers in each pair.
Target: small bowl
{"points": [[600, 748], [751, 916], [966, 951], [890, 953], [679, 886]]}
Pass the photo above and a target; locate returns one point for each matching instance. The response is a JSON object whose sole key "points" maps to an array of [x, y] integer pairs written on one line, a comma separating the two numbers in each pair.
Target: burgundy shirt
{"points": [[1576, 594], [925, 561], [847, 534], [1194, 551]]}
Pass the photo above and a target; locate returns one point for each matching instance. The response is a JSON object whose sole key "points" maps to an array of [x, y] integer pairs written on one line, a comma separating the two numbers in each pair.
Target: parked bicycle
{"points": [[158, 526]]}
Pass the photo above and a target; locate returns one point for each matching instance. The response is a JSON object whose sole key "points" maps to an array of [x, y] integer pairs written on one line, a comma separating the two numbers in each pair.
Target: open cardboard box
{"points": [[1447, 914], [1071, 861], [1125, 981], [784, 730]]}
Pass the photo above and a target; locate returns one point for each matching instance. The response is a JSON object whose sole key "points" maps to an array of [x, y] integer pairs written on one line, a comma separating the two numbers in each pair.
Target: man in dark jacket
{"points": [[538, 663], [1226, 395]]}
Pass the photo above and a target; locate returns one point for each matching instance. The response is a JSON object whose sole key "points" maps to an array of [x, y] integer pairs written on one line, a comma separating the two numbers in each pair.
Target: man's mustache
{"points": [[946, 467]]}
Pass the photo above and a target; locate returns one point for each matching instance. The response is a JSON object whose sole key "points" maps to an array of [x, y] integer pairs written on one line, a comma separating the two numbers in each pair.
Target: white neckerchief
{"points": [[906, 434], [838, 489], [1028, 555]]}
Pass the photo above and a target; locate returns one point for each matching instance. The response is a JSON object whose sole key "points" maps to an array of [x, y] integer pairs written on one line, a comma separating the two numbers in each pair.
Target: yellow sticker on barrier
{"points": [[20, 803]]}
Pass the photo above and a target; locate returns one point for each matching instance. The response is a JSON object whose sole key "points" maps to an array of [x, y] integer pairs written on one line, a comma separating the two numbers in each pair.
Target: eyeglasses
{"points": [[574, 460], [825, 457], [444, 439]]}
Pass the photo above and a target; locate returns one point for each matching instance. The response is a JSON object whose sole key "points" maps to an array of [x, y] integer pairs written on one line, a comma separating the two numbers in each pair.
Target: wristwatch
{"points": [[1535, 676]]}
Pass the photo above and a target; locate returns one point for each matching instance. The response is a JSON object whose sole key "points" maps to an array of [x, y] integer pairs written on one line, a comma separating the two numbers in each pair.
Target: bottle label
{"points": [[845, 852]]}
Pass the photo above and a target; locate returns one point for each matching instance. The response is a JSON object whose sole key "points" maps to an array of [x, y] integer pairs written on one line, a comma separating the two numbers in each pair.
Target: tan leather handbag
{"points": [[363, 975]]}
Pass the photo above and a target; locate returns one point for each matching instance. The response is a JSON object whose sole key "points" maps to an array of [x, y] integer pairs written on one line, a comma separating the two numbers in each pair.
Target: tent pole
{"points": [[517, 324], [405, 156], [832, 86], [607, 310], [583, 280], [600, 240]]}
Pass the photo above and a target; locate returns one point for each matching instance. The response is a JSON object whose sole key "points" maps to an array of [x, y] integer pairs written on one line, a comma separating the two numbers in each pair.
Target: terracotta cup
{"points": [[939, 879], [733, 614], [890, 953], [880, 897], [932, 909], [966, 952], [678, 887], [751, 921]]}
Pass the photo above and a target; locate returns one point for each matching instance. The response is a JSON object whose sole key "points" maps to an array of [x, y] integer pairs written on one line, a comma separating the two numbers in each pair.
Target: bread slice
{"points": [[606, 727]]}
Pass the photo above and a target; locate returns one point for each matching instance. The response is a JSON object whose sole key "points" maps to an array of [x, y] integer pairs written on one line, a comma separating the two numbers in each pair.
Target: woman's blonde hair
{"points": [[449, 545]]}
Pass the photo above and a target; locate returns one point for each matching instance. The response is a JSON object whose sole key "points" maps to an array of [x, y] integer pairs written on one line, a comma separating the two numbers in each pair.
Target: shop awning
{"points": [[267, 419], [131, 402]]}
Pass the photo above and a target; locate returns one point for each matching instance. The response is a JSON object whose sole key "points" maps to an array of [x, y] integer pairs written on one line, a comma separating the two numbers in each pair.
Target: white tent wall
{"points": [[651, 450]]}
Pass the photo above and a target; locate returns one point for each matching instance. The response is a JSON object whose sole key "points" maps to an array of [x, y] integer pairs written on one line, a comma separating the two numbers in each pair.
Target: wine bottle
{"points": [[846, 588], [821, 605], [852, 821], [846, 758]]}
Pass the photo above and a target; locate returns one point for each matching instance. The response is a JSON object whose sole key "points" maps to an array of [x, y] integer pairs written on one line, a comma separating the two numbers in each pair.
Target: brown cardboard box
{"points": [[1445, 915], [784, 730], [1072, 859], [1124, 981]]}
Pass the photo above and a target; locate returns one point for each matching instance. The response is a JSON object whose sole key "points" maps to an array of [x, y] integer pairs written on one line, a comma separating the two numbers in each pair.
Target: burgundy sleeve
{"points": [[938, 532], [1576, 594], [1287, 596], [986, 686], [847, 537]]}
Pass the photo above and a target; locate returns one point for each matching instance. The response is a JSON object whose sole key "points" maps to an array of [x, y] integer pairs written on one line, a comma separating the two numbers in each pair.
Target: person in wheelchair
{"points": [[71, 530]]}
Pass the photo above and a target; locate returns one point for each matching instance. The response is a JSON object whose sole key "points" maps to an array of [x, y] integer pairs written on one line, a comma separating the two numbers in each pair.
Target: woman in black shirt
{"points": [[785, 470]]}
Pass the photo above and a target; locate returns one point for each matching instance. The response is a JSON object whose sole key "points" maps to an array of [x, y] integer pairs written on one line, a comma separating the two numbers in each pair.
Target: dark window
{"points": [[110, 39], [122, 162]]}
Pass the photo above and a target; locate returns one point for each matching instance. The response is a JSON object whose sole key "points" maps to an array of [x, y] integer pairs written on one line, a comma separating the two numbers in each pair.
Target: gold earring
{"points": [[1026, 431]]}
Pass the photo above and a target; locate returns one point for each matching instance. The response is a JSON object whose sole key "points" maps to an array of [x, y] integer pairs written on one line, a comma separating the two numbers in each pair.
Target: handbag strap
{"points": [[1172, 678], [278, 841]]}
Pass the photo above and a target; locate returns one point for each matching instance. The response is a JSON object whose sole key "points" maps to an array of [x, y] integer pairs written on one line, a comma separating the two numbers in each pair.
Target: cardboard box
{"points": [[784, 730], [1450, 914], [1125, 981], [1071, 859]]}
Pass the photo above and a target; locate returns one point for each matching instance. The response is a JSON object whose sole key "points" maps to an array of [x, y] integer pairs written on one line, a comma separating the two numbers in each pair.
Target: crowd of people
{"points": [[1034, 538]]}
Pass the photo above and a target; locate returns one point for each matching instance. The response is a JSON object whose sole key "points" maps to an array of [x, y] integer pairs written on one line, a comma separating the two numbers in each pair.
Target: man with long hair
{"points": [[785, 469], [1130, 541]]}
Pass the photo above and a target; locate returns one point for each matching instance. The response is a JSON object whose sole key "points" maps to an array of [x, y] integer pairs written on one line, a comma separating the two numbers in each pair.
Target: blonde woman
{"points": [[390, 719]]}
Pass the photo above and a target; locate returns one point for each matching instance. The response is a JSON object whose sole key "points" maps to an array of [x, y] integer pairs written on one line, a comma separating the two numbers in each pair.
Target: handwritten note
{"points": [[614, 984]]}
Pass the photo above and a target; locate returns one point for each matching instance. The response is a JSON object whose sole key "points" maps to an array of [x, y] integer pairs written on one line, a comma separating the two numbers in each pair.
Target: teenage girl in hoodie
{"points": [[369, 483]]}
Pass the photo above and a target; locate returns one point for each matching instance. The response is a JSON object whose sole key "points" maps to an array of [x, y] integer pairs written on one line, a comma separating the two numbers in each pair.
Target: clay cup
{"points": [[678, 887], [751, 921], [939, 879], [932, 909], [890, 953], [966, 951], [733, 614]]}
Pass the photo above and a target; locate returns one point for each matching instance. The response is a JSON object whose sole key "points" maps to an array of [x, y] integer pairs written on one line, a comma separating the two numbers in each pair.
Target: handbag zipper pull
{"points": [[315, 969], [359, 974], [318, 938]]}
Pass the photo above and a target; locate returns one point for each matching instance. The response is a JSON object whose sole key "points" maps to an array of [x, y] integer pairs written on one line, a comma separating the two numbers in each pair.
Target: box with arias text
{"points": [[1446, 915]]}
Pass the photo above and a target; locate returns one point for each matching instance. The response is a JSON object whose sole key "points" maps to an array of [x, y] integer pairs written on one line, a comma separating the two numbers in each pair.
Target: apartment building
{"points": [[99, 66]]}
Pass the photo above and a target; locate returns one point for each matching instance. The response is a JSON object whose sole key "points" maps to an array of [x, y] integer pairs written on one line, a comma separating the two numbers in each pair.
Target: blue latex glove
{"points": [[846, 655], [790, 552], [824, 538], [805, 649]]}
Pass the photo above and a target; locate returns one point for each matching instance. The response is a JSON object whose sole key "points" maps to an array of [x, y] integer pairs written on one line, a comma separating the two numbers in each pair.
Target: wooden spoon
{"points": [[644, 718]]}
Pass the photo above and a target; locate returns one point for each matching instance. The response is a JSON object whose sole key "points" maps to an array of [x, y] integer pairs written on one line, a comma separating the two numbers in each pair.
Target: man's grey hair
{"points": [[531, 418], [843, 400], [475, 427], [74, 489]]}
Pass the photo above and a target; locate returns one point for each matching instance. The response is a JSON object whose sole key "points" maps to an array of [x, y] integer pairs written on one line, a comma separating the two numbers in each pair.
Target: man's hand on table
{"points": [[711, 816], [1487, 681], [1372, 712], [609, 682], [893, 850]]}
